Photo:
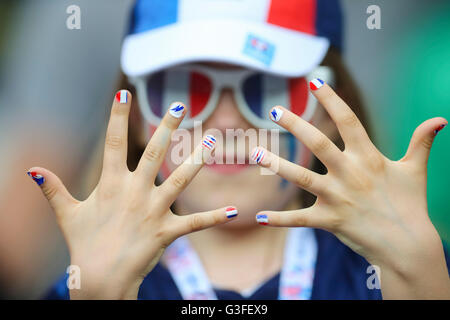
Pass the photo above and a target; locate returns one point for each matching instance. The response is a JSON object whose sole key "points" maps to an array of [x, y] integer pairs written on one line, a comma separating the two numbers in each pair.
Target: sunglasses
{"points": [[199, 87]]}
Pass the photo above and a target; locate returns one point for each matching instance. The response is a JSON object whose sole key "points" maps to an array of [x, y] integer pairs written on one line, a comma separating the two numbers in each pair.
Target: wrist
{"points": [[93, 281]]}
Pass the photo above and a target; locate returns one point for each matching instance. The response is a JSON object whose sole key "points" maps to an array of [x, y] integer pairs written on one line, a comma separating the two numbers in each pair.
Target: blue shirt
{"points": [[340, 274]]}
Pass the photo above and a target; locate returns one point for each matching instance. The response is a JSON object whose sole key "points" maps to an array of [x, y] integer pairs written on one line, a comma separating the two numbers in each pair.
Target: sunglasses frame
{"points": [[234, 80]]}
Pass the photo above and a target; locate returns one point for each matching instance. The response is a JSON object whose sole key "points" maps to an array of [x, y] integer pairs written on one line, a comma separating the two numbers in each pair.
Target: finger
{"points": [[203, 220], [115, 156], [350, 128], [300, 176], [308, 217], [183, 175], [53, 189], [313, 138], [423, 137], [156, 149]]}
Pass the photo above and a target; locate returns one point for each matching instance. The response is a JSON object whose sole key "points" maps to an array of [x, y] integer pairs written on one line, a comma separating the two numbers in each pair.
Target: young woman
{"points": [[361, 213]]}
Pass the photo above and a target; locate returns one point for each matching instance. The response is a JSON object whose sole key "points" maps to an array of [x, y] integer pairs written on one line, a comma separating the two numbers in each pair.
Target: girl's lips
{"points": [[227, 168], [239, 163]]}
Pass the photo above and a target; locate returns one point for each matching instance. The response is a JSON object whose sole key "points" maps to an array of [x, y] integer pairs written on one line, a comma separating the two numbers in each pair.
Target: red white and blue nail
{"points": [[39, 179], [262, 219], [231, 212], [258, 155], [439, 128], [276, 114], [316, 84], [209, 142], [176, 110], [122, 96]]}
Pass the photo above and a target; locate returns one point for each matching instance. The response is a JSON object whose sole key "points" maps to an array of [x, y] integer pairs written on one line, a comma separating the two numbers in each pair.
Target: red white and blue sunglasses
{"points": [[199, 87]]}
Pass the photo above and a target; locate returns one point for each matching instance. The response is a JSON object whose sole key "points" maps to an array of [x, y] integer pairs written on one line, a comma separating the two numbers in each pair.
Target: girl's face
{"points": [[246, 186]]}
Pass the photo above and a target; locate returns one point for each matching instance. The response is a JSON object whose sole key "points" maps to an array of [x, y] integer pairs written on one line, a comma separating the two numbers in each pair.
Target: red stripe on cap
{"points": [[298, 94], [297, 15], [199, 92]]}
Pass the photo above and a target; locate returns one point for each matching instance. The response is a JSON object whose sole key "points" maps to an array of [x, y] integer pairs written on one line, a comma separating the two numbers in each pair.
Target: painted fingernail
{"points": [[176, 110], [439, 128], [316, 84], [276, 114], [39, 179], [262, 219], [231, 212], [258, 155], [209, 142], [122, 96]]}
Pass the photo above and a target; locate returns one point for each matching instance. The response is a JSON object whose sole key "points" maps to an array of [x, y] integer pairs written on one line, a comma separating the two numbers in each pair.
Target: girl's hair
{"points": [[345, 87]]}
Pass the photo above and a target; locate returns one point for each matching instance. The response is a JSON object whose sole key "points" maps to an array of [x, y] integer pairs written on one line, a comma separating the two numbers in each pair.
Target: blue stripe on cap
{"points": [[152, 14], [329, 21]]}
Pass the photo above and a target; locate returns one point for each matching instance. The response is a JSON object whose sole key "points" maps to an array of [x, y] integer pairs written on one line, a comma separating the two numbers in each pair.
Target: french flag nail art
{"points": [[39, 179], [209, 142], [122, 96], [176, 110], [262, 219], [258, 155], [439, 129], [231, 212], [276, 114], [316, 84]]}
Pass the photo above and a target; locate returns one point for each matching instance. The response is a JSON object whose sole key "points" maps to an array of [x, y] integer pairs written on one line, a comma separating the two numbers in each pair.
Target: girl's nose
{"points": [[226, 115]]}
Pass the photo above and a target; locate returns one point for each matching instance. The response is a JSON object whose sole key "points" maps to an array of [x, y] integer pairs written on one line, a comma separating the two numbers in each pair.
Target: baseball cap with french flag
{"points": [[282, 37]]}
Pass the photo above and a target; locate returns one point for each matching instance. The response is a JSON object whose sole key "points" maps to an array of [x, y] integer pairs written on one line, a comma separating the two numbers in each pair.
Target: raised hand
{"points": [[117, 235], [378, 207]]}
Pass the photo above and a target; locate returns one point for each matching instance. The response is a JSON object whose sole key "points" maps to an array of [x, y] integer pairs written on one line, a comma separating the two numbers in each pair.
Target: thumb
{"points": [[53, 189], [422, 140]]}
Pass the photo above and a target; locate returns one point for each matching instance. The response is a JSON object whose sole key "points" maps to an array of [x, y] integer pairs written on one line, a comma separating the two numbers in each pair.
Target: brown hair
{"points": [[345, 87]]}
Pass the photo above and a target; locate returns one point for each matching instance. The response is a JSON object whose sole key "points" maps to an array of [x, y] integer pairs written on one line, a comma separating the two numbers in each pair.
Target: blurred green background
{"points": [[413, 86]]}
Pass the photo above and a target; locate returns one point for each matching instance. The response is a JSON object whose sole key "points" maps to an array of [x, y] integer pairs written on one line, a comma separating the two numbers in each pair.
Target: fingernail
{"points": [[258, 155], [209, 142], [39, 179], [122, 96], [231, 212], [276, 114], [176, 110], [439, 128], [262, 219], [316, 84]]}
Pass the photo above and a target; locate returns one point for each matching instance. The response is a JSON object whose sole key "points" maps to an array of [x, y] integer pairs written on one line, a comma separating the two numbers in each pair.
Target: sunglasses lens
{"points": [[253, 94], [165, 87], [200, 90], [262, 92], [154, 88], [298, 95]]}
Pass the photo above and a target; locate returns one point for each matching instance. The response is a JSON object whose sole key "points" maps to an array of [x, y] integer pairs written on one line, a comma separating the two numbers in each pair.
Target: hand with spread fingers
{"points": [[376, 206], [118, 234]]}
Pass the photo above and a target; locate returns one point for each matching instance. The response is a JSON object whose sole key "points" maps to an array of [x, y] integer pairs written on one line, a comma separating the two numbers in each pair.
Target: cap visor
{"points": [[294, 53]]}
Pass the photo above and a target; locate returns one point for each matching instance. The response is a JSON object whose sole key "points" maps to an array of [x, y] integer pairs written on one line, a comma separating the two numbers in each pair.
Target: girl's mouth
{"points": [[227, 168]]}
